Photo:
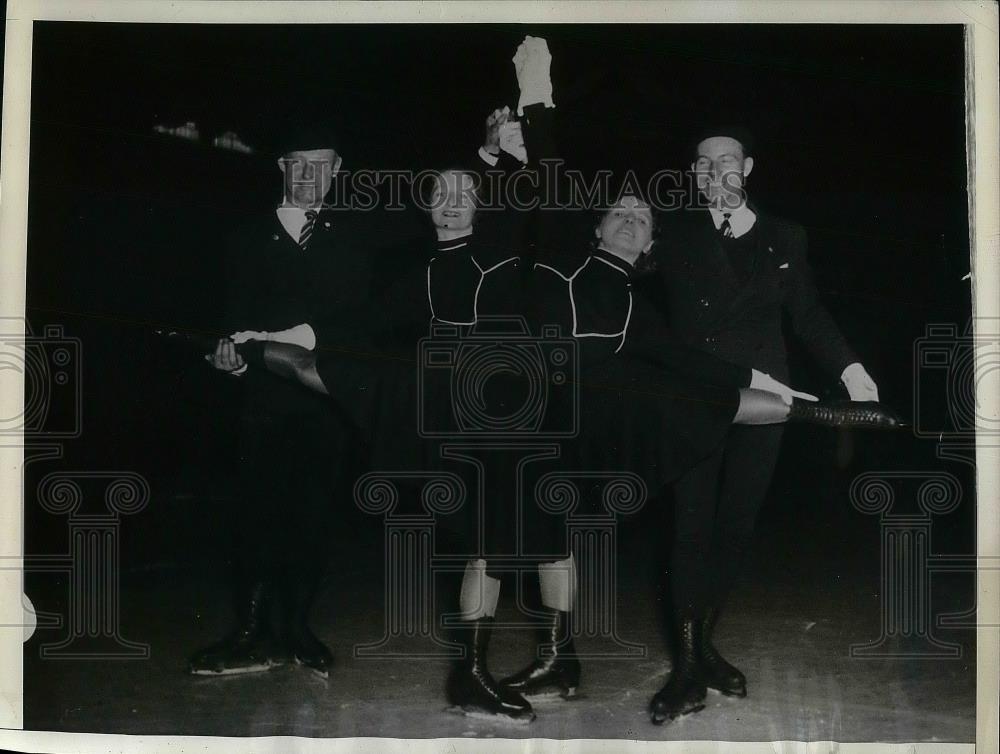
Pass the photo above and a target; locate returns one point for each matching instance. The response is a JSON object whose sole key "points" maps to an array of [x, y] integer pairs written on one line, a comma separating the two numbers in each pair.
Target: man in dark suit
{"points": [[732, 274], [295, 264]]}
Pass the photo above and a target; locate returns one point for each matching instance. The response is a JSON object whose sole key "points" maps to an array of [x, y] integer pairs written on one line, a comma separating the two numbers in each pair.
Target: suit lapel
{"points": [[280, 239], [709, 244], [758, 264]]}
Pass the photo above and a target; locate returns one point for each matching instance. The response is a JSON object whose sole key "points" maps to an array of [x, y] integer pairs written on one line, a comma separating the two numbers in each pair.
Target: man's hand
{"points": [[225, 357], [301, 335], [762, 381], [532, 62], [860, 386], [244, 335]]}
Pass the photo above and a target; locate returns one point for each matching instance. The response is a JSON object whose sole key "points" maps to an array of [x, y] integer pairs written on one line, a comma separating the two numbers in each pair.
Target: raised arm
{"points": [[532, 64]]}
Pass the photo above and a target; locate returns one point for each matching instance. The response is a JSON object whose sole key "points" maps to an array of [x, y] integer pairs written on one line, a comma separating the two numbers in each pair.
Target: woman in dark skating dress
{"points": [[372, 368]]}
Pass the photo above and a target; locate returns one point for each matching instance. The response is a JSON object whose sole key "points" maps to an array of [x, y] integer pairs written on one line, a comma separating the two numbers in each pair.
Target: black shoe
{"points": [[556, 673], [298, 592], [471, 687], [685, 691], [308, 651], [847, 414], [249, 649], [716, 672]]}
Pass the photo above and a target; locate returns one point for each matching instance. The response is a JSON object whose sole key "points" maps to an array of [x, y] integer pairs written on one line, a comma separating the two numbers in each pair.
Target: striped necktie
{"points": [[726, 229], [307, 228]]}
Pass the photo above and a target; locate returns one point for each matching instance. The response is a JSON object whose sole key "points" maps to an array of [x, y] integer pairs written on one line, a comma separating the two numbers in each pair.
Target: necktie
{"points": [[726, 229], [307, 229]]}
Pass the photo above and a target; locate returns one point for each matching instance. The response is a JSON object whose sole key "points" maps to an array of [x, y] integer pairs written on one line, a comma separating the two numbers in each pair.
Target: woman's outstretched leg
{"points": [[761, 407], [285, 360]]}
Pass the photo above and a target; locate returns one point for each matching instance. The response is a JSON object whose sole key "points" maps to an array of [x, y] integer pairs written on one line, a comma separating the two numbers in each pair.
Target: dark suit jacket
{"points": [[710, 309], [275, 285]]}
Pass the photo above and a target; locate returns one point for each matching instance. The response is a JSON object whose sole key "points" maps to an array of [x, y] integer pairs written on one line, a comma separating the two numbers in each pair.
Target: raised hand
{"points": [[494, 122]]}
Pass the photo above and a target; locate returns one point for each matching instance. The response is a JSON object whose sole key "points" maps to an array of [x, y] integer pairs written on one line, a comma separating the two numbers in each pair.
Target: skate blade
{"points": [[247, 670], [324, 674], [660, 720], [554, 696], [727, 694], [479, 714]]}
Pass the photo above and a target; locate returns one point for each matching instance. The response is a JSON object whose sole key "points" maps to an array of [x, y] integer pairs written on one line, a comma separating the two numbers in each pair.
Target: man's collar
{"points": [[741, 219], [292, 207]]}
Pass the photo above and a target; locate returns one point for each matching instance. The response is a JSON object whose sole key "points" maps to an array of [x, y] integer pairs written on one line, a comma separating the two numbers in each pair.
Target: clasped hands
{"points": [[227, 359], [505, 134], [532, 64]]}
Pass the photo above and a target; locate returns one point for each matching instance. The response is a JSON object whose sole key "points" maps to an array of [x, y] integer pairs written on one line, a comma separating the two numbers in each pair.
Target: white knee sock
{"points": [[557, 582], [480, 592]]}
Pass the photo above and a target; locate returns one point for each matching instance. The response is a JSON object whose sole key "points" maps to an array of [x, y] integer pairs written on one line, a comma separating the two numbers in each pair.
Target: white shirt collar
{"points": [[293, 219], [741, 219]]}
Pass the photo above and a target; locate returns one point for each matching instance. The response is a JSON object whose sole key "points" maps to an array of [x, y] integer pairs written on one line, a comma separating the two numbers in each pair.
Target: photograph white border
{"points": [[980, 20]]}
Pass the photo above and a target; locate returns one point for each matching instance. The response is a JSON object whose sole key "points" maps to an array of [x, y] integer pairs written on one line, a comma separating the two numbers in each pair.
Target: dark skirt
{"points": [[402, 408], [621, 418], [639, 418]]}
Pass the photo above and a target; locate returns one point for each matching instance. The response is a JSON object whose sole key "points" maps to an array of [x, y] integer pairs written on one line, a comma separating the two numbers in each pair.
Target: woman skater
{"points": [[647, 404], [366, 363]]}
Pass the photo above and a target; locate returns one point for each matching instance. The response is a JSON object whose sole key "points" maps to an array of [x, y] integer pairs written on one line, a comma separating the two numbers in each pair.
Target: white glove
{"points": [[762, 381], [532, 62], [860, 386], [244, 335], [300, 335]]}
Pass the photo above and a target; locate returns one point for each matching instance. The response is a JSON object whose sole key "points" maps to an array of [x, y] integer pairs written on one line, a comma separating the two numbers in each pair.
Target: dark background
{"points": [[861, 137]]}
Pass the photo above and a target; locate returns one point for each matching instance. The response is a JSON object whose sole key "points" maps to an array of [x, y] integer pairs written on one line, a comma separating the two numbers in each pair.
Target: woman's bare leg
{"points": [[761, 407], [294, 363]]}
